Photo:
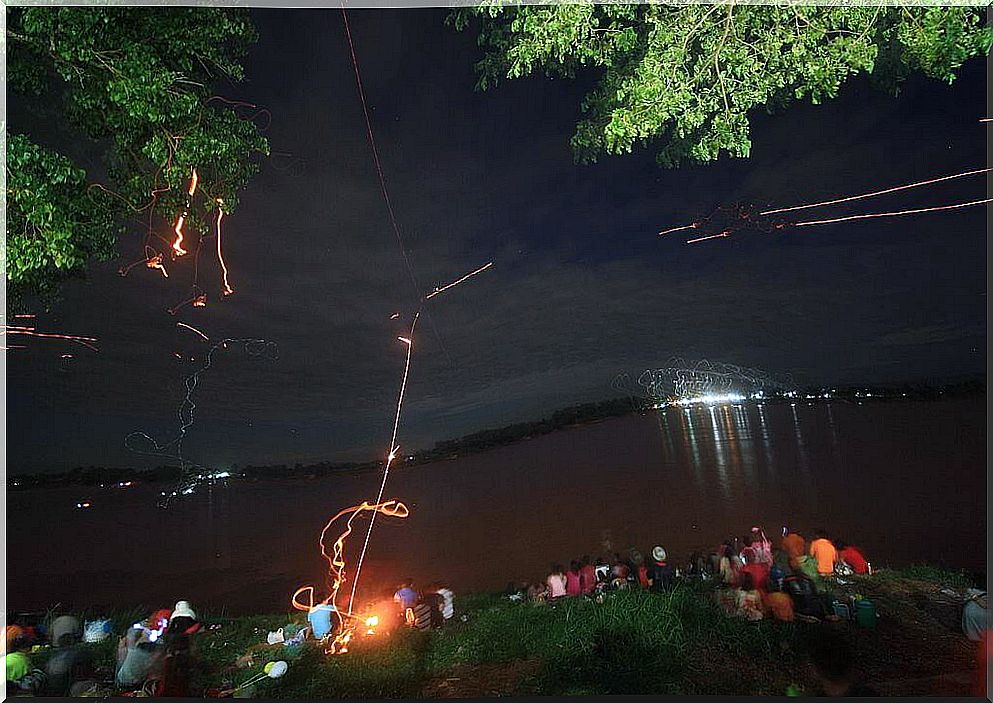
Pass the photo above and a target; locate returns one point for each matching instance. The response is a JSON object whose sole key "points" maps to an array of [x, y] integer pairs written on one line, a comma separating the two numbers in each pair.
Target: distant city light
{"points": [[83, 505], [711, 399]]}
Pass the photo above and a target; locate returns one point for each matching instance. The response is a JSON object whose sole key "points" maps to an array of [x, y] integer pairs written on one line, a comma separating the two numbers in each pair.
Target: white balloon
{"points": [[278, 669]]}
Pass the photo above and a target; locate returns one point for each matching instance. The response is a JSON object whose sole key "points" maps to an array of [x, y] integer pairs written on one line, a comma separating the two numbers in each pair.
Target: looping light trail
{"points": [[878, 192], [193, 474], [442, 289], [893, 214], [336, 566]]}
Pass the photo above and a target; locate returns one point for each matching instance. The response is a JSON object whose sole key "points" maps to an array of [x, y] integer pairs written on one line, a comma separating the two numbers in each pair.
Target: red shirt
{"points": [[759, 574], [587, 578], [572, 583], [853, 557], [643, 576]]}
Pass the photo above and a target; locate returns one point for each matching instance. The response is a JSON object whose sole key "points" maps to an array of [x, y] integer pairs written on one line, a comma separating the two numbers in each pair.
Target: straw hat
{"points": [[658, 554]]}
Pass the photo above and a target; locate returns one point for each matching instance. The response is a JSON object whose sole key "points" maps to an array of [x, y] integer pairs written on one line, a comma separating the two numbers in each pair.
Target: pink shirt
{"points": [[572, 587], [556, 585]]}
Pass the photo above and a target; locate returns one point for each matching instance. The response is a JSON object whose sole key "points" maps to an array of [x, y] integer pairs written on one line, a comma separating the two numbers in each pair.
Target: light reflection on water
{"points": [[729, 457]]}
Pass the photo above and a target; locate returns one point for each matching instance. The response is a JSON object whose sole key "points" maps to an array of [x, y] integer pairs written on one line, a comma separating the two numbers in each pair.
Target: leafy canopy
{"points": [[684, 77], [138, 81]]}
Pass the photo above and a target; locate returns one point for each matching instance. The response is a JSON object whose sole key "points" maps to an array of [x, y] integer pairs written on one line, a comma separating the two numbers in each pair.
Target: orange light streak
{"points": [[25, 316], [177, 246], [156, 263], [878, 192], [192, 329], [336, 565], [893, 214], [442, 289], [200, 301], [228, 290], [32, 332]]}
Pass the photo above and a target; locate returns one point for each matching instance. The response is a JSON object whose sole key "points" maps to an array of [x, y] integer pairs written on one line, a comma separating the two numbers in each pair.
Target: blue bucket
{"points": [[320, 620]]}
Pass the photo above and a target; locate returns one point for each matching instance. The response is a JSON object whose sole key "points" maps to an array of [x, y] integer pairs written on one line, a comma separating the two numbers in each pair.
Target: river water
{"points": [[905, 480]]}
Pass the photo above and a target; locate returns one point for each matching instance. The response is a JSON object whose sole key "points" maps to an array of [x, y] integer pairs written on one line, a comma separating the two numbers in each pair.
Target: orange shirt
{"points": [[826, 555], [780, 604], [793, 545]]}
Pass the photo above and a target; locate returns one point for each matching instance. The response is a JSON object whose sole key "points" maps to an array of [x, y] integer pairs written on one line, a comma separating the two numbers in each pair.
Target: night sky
{"points": [[581, 289]]}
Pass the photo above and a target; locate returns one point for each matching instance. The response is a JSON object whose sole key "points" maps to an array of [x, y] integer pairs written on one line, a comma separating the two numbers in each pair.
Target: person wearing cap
{"points": [[660, 573], [183, 620]]}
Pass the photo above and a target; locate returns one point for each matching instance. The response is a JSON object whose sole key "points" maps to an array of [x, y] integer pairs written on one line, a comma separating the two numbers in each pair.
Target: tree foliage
{"points": [[684, 77], [138, 81]]}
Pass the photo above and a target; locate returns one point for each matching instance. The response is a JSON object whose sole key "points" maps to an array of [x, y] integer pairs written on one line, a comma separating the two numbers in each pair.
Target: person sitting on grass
{"points": [[976, 614], [800, 562], [729, 565], [602, 570], [587, 576], [853, 556], [183, 672], [22, 677], [824, 553], [138, 659], [573, 587], [660, 574], [758, 571], [779, 605], [406, 596], [537, 592], [749, 599], [70, 668], [556, 582]]}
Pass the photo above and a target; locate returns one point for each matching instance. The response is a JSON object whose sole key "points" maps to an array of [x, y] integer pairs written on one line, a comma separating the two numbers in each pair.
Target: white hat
{"points": [[182, 610], [658, 554]]}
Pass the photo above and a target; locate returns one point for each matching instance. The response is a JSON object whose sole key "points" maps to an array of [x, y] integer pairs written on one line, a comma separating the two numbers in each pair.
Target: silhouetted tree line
{"points": [[469, 444]]}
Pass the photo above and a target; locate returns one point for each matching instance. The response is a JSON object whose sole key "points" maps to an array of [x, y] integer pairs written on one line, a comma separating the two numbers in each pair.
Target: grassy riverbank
{"points": [[634, 642]]}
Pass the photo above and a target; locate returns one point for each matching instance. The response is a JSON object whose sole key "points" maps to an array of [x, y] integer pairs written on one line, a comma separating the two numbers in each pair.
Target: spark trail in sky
{"points": [[14, 330], [469, 275], [744, 217], [177, 246], [336, 560], [877, 192], [897, 213], [228, 290], [193, 475]]}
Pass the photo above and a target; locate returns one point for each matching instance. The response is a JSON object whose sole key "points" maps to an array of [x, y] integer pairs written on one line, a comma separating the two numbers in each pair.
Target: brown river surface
{"points": [[905, 480]]}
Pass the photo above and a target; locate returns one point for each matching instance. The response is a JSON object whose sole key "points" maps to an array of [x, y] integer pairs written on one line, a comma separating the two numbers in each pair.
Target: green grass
{"points": [[634, 642]]}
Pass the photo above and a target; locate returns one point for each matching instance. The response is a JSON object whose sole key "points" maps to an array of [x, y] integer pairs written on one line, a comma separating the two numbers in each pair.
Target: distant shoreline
{"points": [[485, 440]]}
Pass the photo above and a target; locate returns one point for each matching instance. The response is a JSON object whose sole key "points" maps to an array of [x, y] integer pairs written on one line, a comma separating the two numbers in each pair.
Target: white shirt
{"points": [[448, 603]]}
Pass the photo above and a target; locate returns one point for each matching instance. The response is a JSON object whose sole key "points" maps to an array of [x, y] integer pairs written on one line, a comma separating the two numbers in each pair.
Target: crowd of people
{"points": [[761, 581], [423, 610], [155, 658]]}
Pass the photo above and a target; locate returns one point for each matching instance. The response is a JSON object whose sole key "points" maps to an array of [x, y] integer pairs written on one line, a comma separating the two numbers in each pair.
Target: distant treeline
{"points": [[477, 441]]}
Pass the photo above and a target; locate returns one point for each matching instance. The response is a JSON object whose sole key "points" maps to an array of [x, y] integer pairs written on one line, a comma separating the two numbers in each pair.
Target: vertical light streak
{"points": [[220, 256], [389, 458]]}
